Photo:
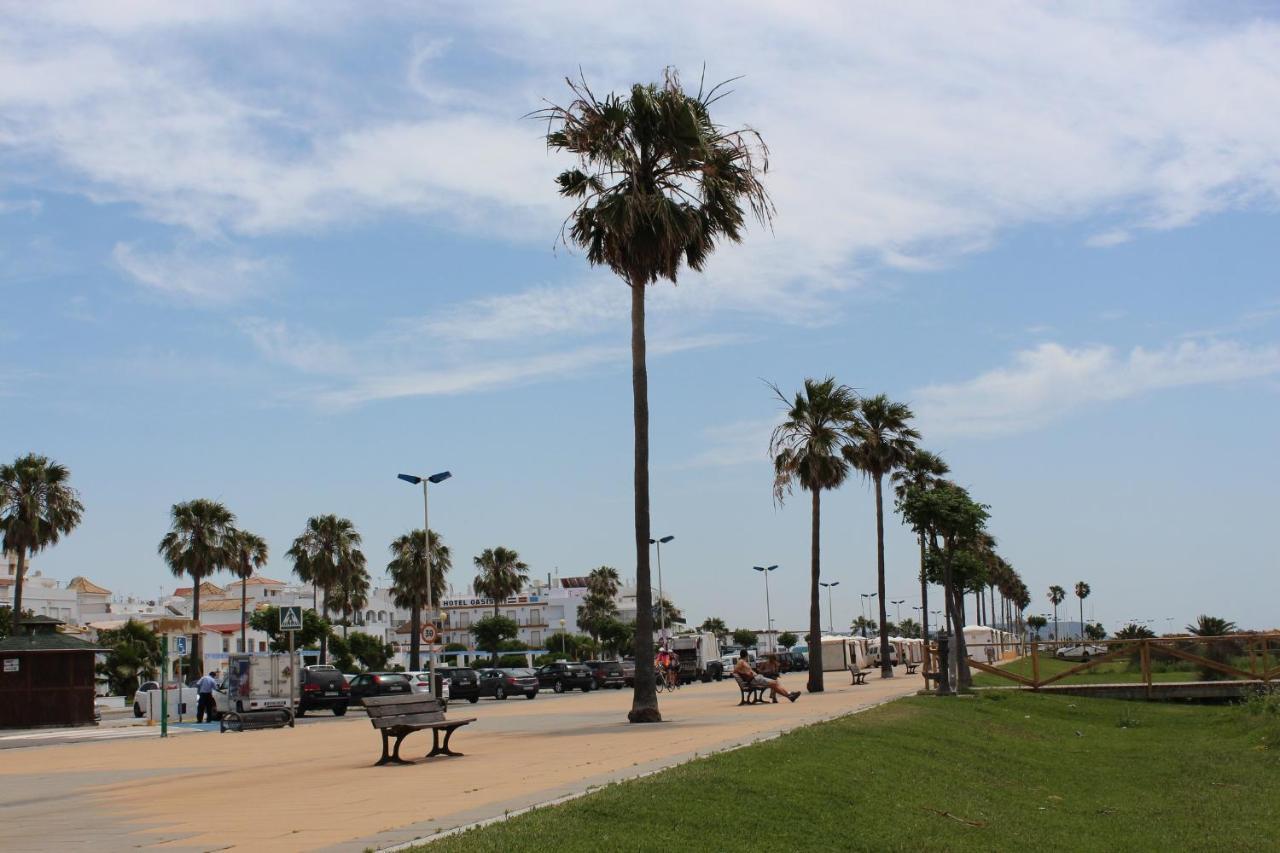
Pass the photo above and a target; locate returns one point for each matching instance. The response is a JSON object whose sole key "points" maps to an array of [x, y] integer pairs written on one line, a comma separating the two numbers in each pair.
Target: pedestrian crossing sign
{"points": [[290, 618]]}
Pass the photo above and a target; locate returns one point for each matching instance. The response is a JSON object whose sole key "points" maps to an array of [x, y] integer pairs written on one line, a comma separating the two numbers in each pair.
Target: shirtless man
{"points": [[744, 670]]}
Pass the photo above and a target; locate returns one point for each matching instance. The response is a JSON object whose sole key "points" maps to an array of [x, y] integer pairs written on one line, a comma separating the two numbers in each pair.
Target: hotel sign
{"points": [[488, 602]]}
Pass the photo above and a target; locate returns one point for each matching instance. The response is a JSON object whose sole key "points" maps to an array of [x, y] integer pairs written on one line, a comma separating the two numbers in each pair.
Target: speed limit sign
{"points": [[428, 633]]}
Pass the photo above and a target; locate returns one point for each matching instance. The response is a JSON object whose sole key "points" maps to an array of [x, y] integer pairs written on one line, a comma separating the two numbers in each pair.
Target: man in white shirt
{"points": [[204, 690]]}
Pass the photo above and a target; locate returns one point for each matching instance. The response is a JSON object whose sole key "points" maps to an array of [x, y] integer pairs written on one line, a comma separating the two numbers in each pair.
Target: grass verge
{"points": [[1111, 672], [997, 771]]}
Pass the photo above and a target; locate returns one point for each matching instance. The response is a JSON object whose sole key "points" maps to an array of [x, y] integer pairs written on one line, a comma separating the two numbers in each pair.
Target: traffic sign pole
{"points": [[164, 691]]}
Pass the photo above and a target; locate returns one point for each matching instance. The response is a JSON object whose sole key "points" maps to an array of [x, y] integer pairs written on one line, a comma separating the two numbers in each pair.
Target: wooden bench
{"points": [[859, 675], [401, 716], [751, 695], [912, 667]]}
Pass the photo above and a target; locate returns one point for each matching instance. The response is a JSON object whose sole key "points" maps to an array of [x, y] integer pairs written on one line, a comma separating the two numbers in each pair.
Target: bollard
{"points": [[944, 664]]}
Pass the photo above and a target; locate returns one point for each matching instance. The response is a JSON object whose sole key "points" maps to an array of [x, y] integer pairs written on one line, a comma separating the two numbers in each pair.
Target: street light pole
{"points": [[426, 545], [831, 625], [897, 612], [768, 610], [662, 607], [865, 596]]}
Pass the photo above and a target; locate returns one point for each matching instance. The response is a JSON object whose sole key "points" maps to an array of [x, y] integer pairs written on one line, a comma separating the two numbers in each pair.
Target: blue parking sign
{"points": [[180, 645]]}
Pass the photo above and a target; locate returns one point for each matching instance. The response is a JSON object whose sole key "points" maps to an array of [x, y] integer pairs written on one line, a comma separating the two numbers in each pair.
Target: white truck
{"points": [[699, 657], [254, 683]]}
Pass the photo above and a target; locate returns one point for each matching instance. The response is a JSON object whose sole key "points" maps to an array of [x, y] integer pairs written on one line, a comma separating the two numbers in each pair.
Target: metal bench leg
{"points": [[441, 749], [391, 756]]}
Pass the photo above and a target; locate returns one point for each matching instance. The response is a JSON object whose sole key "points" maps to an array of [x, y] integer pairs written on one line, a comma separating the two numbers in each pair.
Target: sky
{"points": [[276, 253]]}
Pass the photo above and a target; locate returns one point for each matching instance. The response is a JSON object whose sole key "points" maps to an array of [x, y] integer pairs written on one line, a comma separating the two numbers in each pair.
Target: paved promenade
{"points": [[314, 787]]}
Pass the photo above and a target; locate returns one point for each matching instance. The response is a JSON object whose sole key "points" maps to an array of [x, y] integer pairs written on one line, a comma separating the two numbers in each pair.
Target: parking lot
{"points": [[314, 787]]}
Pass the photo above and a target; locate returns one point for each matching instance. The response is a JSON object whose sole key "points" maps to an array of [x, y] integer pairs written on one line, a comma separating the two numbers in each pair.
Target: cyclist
{"points": [[669, 666]]}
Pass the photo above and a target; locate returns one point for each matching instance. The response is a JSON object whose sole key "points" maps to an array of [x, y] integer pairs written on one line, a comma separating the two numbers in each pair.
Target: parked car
{"points": [[378, 684], [463, 681], [139, 699], [510, 681], [628, 672], [1080, 652], [561, 676], [607, 673], [323, 688], [419, 681], [799, 661]]}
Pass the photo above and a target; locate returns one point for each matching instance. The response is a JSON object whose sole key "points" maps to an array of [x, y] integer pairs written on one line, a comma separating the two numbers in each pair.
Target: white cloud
{"points": [[738, 443], [199, 275], [1048, 382]]}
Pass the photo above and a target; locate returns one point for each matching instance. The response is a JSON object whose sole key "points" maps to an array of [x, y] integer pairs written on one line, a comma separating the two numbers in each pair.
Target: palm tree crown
{"points": [[37, 508], [196, 546], [326, 552], [246, 553], [413, 572], [808, 448], [657, 184], [502, 574]]}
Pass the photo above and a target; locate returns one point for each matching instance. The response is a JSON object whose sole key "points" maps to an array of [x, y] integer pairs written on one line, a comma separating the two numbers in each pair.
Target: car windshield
{"points": [[519, 673]]}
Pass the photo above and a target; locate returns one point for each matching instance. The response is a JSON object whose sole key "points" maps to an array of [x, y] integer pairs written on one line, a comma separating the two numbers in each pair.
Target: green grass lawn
{"points": [[999, 771]]}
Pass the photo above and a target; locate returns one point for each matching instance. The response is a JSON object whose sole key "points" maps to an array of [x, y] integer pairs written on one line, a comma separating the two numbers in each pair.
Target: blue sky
{"points": [[273, 255]]}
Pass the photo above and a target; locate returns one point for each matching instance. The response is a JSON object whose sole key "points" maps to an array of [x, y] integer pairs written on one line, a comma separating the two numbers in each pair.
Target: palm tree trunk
{"points": [[1082, 619], [992, 590], [15, 615], [324, 637], [197, 659], [924, 596], [244, 617], [815, 608], [644, 697], [415, 637], [886, 666]]}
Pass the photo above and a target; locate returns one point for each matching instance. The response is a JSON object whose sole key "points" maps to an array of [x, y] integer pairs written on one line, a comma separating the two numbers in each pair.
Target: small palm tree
{"points": [[881, 442], [196, 546], [714, 625], [922, 470], [502, 574], [37, 508], [1057, 595], [604, 582], [1082, 592], [350, 588], [1036, 623], [326, 550], [246, 554], [808, 448], [657, 185], [413, 572]]}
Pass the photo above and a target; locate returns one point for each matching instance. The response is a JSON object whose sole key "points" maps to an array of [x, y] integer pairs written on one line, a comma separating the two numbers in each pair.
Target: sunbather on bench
{"points": [[743, 669]]}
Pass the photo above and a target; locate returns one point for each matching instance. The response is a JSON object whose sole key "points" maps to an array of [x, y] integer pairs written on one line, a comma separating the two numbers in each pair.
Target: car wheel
{"points": [[499, 693], [339, 710], [137, 710], [531, 695], [588, 687], [474, 699], [302, 712], [558, 687]]}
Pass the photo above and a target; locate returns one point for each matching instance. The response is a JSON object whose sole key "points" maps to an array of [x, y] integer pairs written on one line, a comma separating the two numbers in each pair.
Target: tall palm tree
{"points": [[322, 554], [246, 553], [196, 546], [1082, 592], [350, 590], [37, 508], [808, 448], [502, 574], [881, 442], [604, 581], [410, 567], [714, 625], [922, 469], [657, 185], [1057, 595]]}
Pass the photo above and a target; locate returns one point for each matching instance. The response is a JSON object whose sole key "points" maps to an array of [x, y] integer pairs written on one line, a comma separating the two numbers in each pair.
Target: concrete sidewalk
{"points": [[314, 787]]}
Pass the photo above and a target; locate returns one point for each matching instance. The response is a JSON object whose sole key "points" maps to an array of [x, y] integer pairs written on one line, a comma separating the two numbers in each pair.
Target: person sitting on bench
{"points": [[749, 675]]}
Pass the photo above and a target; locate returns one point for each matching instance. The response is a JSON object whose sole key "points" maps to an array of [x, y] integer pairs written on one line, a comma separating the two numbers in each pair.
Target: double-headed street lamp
{"points": [[897, 613], [768, 612], [865, 596], [433, 479], [662, 602], [831, 626]]}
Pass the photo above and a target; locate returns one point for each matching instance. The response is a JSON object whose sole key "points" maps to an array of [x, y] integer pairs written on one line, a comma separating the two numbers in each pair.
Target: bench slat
{"points": [[399, 699], [408, 720], [404, 708]]}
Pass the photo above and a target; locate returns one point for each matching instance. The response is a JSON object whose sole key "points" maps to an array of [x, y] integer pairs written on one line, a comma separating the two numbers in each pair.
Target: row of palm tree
{"points": [[38, 507], [1057, 595], [829, 432]]}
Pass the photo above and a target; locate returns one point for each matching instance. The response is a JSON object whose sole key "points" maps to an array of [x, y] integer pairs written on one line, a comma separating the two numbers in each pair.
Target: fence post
{"points": [[1146, 665], [1035, 663]]}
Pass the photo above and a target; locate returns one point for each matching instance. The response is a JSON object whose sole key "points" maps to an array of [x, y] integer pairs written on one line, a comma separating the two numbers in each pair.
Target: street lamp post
{"points": [[768, 611], [831, 625], [865, 597], [920, 610], [662, 607], [433, 479], [897, 610], [562, 639]]}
